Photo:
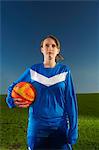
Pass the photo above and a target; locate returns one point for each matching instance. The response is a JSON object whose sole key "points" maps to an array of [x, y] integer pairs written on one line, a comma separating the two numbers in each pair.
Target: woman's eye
{"points": [[53, 45], [47, 45]]}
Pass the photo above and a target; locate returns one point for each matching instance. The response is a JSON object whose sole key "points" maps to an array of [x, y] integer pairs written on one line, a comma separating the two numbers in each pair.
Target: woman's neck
{"points": [[49, 64]]}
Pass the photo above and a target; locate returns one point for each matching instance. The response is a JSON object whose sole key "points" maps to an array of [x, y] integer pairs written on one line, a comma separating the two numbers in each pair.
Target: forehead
{"points": [[49, 41]]}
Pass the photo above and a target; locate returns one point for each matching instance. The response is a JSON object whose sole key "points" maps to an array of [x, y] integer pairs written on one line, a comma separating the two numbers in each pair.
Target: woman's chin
{"points": [[50, 57]]}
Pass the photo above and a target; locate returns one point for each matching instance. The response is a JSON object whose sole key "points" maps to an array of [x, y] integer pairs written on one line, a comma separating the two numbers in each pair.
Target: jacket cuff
{"points": [[72, 141], [10, 102]]}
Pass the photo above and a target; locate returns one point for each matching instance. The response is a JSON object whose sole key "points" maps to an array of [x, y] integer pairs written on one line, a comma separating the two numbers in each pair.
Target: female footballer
{"points": [[53, 117]]}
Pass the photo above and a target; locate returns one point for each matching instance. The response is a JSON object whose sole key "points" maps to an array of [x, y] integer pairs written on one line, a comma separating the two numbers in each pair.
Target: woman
{"points": [[53, 118]]}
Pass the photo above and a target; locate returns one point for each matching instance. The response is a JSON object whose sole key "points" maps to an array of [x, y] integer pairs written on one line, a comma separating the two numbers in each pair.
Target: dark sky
{"points": [[74, 23]]}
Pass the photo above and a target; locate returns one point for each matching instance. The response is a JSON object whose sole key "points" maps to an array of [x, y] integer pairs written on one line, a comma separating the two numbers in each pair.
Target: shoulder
{"points": [[65, 67], [35, 66]]}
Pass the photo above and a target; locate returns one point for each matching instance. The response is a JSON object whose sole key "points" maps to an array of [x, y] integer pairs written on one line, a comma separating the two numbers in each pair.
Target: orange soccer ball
{"points": [[25, 91]]}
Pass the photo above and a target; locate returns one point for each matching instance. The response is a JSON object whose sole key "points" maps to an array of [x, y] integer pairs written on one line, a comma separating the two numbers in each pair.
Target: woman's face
{"points": [[49, 48]]}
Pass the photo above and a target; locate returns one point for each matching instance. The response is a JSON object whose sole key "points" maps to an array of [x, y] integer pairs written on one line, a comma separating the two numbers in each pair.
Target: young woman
{"points": [[53, 117]]}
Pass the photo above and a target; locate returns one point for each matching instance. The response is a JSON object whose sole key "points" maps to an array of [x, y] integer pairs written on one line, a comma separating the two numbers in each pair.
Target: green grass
{"points": [[13, 124]]}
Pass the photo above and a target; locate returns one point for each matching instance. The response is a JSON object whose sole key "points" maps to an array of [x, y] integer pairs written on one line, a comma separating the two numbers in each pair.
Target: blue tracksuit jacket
{"points": [[55, 105]]}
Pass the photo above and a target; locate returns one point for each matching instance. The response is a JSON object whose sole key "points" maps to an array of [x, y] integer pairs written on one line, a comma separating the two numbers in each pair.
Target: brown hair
{"points": [[59, 56]]}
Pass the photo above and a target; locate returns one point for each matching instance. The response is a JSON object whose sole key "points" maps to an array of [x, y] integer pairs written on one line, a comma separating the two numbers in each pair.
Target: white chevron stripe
{"points": [[47, 81]]}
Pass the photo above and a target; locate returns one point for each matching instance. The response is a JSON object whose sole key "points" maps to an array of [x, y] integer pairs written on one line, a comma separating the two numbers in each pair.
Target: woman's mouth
{"points": [[50, 53]]}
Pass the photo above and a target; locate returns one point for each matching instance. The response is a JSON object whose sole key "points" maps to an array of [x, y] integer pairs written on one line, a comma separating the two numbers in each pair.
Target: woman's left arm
{"points": [[72, 109]]}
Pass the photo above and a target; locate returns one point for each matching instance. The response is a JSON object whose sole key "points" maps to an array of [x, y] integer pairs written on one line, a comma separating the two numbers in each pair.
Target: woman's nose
{"points": [[50, 47]]}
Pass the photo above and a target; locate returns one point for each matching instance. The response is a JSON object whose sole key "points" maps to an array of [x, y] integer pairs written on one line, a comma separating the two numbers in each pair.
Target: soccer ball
{"points": [[25, 91]]}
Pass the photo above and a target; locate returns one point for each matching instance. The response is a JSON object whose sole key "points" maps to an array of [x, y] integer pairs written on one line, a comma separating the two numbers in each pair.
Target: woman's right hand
{"points": [[20, 103]]}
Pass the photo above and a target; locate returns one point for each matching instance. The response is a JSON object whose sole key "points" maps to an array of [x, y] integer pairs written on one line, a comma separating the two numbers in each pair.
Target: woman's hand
{"points": [[20, 103]]}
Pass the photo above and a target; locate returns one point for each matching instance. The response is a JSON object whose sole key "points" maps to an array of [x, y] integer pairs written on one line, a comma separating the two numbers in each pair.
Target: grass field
{"points": [[13, 124]]}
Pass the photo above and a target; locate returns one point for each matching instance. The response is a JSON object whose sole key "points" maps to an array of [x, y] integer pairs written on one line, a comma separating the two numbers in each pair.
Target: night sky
{"points": [[74, 23]]}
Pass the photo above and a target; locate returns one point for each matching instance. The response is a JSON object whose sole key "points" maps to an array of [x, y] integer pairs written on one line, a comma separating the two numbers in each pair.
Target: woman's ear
{"points": [[41, 49], [58, 51]]}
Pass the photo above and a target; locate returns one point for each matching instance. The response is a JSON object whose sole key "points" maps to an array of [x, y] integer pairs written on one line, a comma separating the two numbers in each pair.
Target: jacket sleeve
{"points": [[24, 77], [72, 109]]}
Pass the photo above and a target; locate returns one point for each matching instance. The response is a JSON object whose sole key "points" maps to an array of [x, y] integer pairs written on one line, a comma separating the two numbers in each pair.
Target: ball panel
{"points": [[14, 94], [29, 93]]}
